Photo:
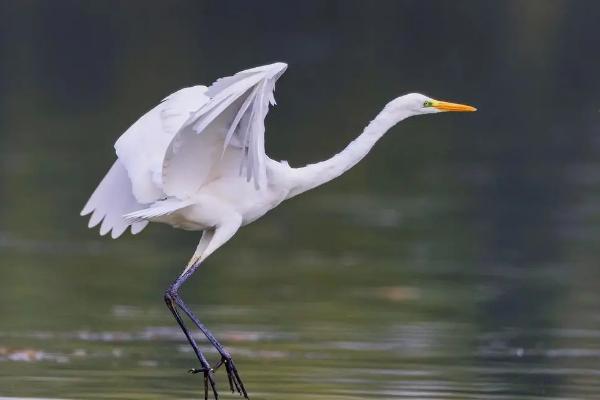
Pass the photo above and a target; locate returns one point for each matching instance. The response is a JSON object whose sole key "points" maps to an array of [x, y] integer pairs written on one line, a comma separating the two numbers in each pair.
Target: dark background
{"points": [[484, 224]]}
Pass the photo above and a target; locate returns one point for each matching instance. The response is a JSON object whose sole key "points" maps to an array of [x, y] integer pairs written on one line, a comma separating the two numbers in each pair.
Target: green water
{"points": [[375, 311], [459, 260]]}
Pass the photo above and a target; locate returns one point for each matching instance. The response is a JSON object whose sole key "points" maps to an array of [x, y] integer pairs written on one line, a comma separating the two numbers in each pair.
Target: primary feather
{"points": [[111, 200]]}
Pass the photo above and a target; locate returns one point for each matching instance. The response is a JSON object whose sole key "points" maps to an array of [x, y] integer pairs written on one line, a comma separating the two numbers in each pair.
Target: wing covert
{"points": [[142, 147], [232, 122]]}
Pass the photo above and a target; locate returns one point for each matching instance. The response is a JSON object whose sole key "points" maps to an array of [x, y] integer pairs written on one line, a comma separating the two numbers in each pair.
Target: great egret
{"points": [[197, 162]]}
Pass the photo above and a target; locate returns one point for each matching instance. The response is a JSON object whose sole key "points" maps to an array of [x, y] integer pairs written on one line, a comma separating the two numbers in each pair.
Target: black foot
{"points": [[208, 380], [235, 382]]}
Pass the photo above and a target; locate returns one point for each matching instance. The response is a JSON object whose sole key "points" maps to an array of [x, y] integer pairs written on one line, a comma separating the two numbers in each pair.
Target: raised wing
{"points": [[142, 147], [180, 144], [228, 128], [111, 200], [134, 180]]}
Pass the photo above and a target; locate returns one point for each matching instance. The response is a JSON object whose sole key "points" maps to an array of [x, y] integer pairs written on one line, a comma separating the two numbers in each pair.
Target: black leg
{"points": [[170, 298], [232, 373], [173, 300]]}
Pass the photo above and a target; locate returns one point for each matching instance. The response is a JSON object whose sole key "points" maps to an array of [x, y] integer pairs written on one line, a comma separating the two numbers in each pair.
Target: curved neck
{"points": [[314, 175]]}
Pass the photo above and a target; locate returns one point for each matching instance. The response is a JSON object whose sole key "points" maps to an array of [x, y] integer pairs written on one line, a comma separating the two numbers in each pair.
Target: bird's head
{"points": [[416, 104]]}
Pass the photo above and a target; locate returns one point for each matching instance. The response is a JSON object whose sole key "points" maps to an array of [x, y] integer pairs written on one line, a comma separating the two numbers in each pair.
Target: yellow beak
{"points": [[445, 106]]}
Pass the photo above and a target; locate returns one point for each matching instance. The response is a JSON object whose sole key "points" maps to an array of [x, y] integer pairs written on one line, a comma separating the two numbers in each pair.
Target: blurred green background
{"points": [[460, 259]]}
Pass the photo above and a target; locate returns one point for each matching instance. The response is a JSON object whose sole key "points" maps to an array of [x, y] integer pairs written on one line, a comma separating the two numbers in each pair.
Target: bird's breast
{"points": [[217, 201]]}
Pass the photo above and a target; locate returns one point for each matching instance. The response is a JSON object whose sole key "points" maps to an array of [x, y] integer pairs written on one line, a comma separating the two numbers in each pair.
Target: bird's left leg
{"points": [[232, 373], [170, 297]]}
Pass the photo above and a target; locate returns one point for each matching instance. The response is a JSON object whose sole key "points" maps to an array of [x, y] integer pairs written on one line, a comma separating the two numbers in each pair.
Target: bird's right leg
{"points": [[211, 240]]}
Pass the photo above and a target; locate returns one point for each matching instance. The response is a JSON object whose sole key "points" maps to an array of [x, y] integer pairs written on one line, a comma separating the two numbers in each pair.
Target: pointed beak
{"points": [[445, 106]]}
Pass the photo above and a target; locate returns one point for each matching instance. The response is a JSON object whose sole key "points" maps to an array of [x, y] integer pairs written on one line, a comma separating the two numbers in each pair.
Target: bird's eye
{"points": [[427, 103]]}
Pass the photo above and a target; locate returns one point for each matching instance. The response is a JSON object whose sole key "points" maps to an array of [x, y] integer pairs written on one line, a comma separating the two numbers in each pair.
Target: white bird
{"points": [[197, 162]]}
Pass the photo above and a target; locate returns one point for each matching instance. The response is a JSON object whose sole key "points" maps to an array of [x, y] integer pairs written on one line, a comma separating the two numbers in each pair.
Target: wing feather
{"points": [[238, 118], [134, 180], [232, 119], [112, 199], [142, 147], [181, 144]]}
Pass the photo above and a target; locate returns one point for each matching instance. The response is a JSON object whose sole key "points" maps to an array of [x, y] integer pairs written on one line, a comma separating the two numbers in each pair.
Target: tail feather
{"points": [[158, 209]]}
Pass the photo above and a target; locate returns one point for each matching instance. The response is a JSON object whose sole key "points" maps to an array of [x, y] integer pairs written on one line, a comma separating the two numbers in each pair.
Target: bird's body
{"points": [[197, 162], [227, 196]]}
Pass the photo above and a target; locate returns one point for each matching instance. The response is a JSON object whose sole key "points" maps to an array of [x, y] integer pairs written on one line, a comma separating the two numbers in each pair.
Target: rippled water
{"points": [[397, 317]]}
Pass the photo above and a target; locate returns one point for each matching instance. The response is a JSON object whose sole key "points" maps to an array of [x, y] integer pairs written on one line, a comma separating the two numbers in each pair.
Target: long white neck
{"points": [[313, 175]]}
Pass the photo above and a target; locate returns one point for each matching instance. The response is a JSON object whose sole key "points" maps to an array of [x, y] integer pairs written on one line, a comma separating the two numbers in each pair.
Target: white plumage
{"points": [[197, 161], [181, 144], [111, 201]]}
